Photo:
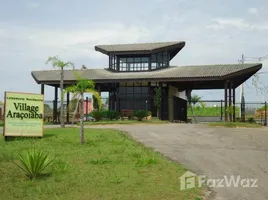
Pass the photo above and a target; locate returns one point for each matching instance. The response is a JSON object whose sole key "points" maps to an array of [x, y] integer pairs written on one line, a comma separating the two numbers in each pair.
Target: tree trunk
{"points": [[62, 99], [192, 108], [82, 139]]}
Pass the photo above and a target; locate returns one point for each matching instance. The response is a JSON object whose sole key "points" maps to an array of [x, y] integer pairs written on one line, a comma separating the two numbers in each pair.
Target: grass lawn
{"points": [[208, 111], [235, 124], [108, 166], [126, 121]]}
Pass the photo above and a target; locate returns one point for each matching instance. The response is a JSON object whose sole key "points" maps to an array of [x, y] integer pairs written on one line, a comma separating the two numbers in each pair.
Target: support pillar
{"points": [[42, 88], [221, 110], [225, 101], [161, 106], [234, 114], [55, 105], [117, 103], [149, 100], [68, 111], [230, 101]]}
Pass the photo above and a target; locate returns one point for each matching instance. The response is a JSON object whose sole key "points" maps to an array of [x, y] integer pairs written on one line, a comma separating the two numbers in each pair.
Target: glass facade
{"points": [[159, 60], [135, 63], [112, 62], [134, 97]]}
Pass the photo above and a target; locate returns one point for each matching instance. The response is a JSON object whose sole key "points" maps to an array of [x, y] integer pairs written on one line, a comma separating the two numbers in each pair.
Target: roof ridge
{"points": [[175, 41]]}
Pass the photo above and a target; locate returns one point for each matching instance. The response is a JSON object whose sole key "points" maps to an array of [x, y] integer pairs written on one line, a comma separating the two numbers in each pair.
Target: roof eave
{"points": [[37, 81], [175, 48]]}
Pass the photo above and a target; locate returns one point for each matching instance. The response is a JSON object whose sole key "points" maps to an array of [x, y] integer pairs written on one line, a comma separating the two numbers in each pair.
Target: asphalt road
{"points": [[213, 152]]}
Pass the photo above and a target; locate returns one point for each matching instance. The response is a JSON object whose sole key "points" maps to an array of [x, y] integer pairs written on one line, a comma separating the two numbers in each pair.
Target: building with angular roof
{"points": [[134, 70]]}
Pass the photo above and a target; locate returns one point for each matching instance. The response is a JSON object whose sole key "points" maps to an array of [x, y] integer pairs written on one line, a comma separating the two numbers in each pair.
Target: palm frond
{"points": [[69, 64], [56, 62]]}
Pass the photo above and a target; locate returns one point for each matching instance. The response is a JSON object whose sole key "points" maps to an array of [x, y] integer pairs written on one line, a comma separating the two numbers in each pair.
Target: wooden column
{"points": [[55, 104], [225, 101], [68, 111], [42, 88]]}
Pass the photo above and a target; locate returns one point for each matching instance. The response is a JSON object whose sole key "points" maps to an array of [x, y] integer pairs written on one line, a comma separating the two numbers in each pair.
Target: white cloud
{"points": [[239, 23], [32, 5], [253, 11], [44, 42]]}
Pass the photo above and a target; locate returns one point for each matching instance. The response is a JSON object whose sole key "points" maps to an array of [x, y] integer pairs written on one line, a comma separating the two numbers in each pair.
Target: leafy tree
{"points": [[62, 65], [97, 104], [157, 99], [194, 99], [78, 90]]}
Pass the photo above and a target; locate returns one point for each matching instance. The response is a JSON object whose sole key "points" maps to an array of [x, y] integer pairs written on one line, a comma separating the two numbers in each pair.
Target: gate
{"points": [[179, 109]]}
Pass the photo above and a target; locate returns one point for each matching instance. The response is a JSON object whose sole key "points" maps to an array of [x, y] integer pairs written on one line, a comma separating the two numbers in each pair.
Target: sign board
{"points": [[24, 114]]}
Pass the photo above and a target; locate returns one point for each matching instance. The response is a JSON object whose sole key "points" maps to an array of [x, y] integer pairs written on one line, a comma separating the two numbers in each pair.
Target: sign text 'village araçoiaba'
{"points": [[23, 114]]}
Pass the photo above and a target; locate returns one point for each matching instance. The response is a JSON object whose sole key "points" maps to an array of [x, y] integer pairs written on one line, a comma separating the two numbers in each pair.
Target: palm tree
{"points": [[192, 102], [78, 90], [62, 65]]}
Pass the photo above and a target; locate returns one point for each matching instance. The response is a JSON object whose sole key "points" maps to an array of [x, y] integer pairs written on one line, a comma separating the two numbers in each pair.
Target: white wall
{"points": [[181, 94]]}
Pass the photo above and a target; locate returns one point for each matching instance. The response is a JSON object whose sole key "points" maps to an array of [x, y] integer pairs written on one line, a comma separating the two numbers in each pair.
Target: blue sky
{"points": [[215, 32]]}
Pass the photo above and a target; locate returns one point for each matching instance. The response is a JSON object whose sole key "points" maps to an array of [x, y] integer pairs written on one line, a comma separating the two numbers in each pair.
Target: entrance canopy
{"points": [[183, 77]]}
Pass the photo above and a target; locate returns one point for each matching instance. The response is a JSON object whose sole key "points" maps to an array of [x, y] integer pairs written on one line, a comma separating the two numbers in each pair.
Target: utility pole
{"points": [[242, 97]]}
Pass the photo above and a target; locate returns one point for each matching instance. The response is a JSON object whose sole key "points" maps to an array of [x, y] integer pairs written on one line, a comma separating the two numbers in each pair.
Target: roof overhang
{"points": [[213, 82], [145, 48]]}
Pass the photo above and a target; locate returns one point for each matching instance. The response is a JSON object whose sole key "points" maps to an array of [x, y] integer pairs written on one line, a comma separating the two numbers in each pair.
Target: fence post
{"points": [[221, 110], [265, 114]]}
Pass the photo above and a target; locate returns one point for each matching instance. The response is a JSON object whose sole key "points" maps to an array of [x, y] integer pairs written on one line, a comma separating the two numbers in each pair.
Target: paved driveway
{"points": [[213, 152]]}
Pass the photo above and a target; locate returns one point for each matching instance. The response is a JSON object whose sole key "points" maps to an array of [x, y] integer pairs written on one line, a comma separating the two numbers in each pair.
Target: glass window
{"points": [[134, 64], [145, 59], [137, 60], [129, 60], [153, 58], [130, 90], [160, 57], [123, 59]]}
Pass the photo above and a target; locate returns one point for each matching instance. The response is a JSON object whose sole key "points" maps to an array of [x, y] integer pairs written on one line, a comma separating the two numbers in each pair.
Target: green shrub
{"points": [[140, 114], [112, 114], [98, 114], [251, 120], [33, 162]]}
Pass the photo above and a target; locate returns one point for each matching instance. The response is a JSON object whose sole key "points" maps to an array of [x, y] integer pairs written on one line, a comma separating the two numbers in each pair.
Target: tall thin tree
{"points": [[78, 90], [194, 99], [57, 63]]}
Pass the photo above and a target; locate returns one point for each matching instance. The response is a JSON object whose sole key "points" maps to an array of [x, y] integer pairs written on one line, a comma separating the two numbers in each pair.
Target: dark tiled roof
{"points": [[183, 72], [138, 47]]}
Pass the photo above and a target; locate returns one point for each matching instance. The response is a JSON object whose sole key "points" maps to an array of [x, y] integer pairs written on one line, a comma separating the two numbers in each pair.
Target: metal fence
{"points": [[213, 111], [204, 111], [50, 116]]}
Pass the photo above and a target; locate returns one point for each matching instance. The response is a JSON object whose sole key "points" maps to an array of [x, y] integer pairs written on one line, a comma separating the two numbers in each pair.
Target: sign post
{"points": [[23, 115]]}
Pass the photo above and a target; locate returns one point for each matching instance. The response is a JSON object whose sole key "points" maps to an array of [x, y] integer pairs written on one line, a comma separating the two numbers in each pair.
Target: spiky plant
{"points": [[33, 162]]}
